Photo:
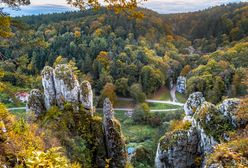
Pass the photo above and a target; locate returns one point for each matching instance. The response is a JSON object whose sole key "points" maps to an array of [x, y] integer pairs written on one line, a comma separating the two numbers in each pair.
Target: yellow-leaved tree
{"points": [[5, 31]]}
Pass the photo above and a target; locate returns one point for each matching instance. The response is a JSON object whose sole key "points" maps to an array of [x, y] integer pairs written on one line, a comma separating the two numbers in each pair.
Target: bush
{"points": [[176, 125], [141, 112], [137, 94], [231, 154]]}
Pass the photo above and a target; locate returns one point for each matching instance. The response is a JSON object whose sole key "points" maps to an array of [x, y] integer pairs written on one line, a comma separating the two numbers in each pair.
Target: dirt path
{"points": [[155, 101], [152, 110], [173, 93], [17, 108]]}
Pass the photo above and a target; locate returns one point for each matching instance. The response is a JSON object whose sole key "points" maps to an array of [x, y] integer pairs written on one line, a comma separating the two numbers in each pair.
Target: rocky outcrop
{"points": [[181, 84], [60, 86], [114, 140], [36, 102], [228, 108], [66, 85], [104, 137], [210, 124], [177, 149], [193, 102]]}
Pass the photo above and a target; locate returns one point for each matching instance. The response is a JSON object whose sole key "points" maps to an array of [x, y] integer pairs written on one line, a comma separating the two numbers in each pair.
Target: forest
{"points": [[121, 57]]}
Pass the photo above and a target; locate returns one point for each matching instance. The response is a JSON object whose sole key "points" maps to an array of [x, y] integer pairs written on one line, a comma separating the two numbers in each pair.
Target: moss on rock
{"points": [[63, 72], [36, 102], [213, 122]]}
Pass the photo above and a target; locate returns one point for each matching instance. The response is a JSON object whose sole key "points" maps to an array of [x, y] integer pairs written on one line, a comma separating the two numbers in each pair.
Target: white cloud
{"points": [[174, 6], [161, 6]]}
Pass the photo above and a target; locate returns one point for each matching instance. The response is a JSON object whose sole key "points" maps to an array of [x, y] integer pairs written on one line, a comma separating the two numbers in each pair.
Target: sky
{"points": [[161, 6]]}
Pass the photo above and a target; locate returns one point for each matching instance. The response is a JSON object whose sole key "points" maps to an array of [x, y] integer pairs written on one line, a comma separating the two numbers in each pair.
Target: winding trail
{"points": [[154, 101], [152, 110], [173, 93], [115, 109], [173, 102], [17, 108]]}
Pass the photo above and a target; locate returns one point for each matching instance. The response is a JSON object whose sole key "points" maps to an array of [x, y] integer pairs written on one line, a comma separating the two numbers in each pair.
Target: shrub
{"points": [[176, 125], [231, 154], [51, 158], [141, 112]]}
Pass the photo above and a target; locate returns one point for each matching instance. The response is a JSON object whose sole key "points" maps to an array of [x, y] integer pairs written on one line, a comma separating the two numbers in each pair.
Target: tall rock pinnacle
{"points": [[114, 140], [48, 85]]}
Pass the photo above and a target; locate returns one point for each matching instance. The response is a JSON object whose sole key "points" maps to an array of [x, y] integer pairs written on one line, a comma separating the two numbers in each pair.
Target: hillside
{"points": [[105, 90], [212, 28]]}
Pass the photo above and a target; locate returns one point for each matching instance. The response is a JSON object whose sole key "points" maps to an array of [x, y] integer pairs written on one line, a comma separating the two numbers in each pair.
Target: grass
{"points": [[138, 133], [19, 113], [181, 97], [162, 94], [124, 104], [156, 106]]}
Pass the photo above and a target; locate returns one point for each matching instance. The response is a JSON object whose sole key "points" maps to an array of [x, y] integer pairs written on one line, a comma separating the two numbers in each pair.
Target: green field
{"points": [[160, 106], [19, 113], [181, 97]]}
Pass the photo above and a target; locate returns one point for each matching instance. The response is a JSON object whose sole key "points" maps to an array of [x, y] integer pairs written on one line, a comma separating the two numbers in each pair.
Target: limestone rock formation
{"points": [[104, 137], [86, 95], [193, 102], [210, 124], [36, 102], [66, 85], [181, 84], [228, 108], [48, 85], [177, 149], [114, 139], [60, 86]]}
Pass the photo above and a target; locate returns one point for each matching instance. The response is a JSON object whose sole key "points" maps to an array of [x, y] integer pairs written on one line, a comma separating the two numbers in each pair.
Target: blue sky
{"points": [[161, 6]]}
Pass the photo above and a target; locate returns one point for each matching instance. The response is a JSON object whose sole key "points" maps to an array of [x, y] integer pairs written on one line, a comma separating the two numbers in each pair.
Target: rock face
{"points": [[36, 102], [193, 102], [48, 85], [86, 95], [61, 86], [66, 85], [210, 123], [114, 141], [228, 108], [181, 84], [177, 149]]}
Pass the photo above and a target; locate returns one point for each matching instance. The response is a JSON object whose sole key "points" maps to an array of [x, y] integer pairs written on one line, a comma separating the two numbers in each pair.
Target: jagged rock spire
{"points": [[108, 109], [114, 140]]}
